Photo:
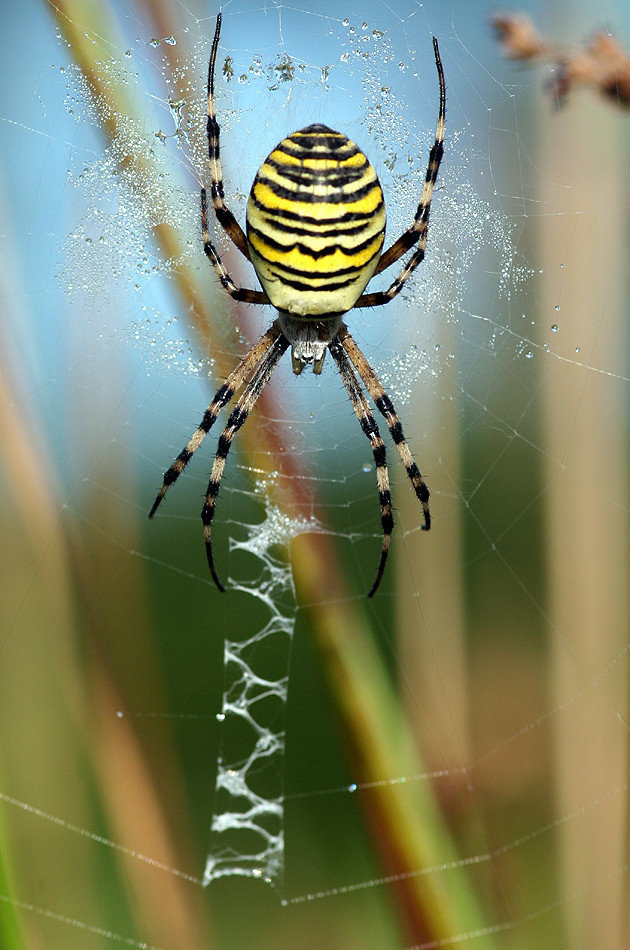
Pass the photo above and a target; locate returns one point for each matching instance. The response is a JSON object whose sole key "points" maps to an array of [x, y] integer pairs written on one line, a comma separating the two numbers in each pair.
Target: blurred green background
{"points": [[479, 702]]}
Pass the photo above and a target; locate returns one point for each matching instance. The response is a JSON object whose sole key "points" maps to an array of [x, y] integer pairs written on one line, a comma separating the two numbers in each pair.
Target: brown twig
{"points": [[602, 63]]}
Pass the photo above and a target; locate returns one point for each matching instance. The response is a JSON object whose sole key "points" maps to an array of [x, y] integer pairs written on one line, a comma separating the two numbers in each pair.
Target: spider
{"points": [[315, 230]]}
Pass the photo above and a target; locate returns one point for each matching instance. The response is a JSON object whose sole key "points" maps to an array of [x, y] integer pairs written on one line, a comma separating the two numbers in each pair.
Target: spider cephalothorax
{"points": [[315, 232]]}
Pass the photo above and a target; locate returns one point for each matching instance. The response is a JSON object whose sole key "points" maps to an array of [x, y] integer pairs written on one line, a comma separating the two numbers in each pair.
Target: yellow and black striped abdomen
{"points": [[315, 223]]}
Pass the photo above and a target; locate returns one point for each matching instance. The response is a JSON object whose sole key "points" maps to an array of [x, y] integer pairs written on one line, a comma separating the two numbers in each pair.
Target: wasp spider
{"points": [[315, 231]]}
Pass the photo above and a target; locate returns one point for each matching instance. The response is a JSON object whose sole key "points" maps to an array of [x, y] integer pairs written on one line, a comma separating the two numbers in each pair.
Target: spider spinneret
{"points": [[315, 224]]}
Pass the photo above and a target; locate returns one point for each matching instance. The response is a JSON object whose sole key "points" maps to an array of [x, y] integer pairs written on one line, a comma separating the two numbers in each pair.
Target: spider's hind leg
{"points": [[418, 233], [224, 216], [238, 293], [418, 230]]}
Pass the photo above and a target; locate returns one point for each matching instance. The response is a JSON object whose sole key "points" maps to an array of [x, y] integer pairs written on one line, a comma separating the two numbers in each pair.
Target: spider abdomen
{"points": [[315, 223]]}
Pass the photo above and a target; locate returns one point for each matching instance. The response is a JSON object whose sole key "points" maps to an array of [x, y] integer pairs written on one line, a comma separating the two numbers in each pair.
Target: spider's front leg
{"points": [[230, 387], [368, 424], [239, 414], [385, 407]]}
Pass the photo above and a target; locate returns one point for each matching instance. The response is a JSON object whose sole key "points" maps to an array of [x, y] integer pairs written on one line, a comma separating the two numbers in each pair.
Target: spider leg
{"points": [[239, 293], [380, 297], [239, 414], [224, 216], [225, 393], [384, 405], [370, 428], [418, 232]]}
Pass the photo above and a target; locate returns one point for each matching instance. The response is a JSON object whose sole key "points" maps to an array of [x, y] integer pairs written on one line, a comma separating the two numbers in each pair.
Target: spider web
{"points": [[160, 736]]}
